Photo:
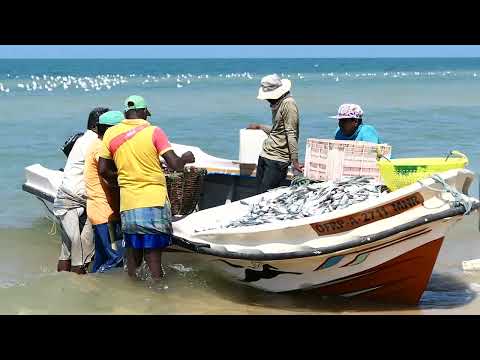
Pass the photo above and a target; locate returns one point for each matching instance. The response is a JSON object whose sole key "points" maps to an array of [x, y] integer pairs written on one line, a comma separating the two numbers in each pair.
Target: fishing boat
{"points": [[382, 249]]}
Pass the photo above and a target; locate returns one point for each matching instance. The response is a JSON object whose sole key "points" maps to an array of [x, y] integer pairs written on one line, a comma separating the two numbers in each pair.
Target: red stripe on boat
{"points": [[401, 280]]}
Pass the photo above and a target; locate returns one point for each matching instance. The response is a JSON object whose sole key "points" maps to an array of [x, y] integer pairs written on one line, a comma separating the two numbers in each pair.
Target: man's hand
{"points": [[297, 166], [108, 171], [254, 126], [188, 157]]}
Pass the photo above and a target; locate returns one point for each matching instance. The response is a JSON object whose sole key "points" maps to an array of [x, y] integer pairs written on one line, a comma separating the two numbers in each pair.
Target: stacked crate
{"points": [[335, 159]]}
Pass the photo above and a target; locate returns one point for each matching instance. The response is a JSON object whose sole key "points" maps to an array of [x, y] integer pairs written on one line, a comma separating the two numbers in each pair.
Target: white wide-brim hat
{"points": [[273, 87]]}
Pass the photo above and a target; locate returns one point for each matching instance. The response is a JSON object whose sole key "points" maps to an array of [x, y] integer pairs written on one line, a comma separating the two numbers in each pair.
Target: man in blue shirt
{"points": [[350, 126]]}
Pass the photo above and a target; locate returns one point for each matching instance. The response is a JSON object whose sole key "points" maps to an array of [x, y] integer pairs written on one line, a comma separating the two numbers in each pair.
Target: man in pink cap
{"points": [[351, 127]]}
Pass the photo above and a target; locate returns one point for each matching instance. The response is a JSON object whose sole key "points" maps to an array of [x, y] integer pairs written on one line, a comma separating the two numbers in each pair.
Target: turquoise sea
{"points": [[422, 107]]}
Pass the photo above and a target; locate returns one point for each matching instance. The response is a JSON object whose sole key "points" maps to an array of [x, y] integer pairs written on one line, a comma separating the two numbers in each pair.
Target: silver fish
{"points": [[305, 198]]}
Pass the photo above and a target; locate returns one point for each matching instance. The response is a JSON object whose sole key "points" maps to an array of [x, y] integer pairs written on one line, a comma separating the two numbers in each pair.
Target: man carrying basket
{"points": [[134, 146]]}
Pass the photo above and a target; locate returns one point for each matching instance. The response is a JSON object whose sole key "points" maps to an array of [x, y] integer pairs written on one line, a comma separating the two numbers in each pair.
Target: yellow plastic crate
{"points": [[399, 173]]}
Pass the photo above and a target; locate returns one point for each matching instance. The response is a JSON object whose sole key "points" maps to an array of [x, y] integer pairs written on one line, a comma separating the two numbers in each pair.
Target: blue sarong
{"points": [[147, 228], [148, 241], [106, 255]]}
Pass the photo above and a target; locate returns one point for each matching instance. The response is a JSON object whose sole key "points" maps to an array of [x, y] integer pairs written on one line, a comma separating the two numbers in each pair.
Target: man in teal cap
{"points": [[138, 103], [134, 147], [103, 202]]}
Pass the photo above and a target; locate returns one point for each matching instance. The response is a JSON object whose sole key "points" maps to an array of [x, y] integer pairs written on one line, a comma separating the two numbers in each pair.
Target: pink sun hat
{"points": [[348, 111]]}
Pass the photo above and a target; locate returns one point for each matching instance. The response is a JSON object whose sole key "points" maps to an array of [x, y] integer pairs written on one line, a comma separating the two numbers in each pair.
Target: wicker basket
{"points": [[184, 189]]}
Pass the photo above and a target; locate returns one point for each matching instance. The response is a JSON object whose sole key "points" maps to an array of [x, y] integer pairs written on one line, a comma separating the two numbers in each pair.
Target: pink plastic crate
{"points": [[335, 159]]}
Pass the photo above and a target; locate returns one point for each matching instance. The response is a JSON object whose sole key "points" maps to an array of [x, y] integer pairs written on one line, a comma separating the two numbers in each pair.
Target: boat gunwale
{"points": [[387, 198], [206, 249]]}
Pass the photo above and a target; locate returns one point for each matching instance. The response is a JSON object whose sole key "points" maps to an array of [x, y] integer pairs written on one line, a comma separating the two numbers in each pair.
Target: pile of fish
{"points": [[304, 198]]}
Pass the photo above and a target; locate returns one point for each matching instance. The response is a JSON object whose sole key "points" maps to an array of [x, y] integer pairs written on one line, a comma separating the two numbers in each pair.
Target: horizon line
{"points": [[237, 58]]}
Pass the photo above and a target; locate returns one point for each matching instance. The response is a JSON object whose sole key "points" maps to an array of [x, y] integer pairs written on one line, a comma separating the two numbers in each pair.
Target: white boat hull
{"points": [[383, 250], [399, 268]]}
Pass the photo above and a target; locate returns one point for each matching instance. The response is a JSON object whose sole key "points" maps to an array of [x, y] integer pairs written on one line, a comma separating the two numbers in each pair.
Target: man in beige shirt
{"points": [[281, 146]]}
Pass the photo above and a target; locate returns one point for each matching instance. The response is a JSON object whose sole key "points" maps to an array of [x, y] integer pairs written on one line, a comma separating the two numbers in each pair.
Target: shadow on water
{"points": [[444, 291]]}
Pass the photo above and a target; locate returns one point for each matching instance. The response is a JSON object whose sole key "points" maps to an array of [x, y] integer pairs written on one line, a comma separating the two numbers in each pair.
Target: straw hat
{"points": [[272, 87]]}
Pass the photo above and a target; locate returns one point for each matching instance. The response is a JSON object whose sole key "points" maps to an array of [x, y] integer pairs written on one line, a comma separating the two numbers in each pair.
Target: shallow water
{"points": [[422, 107], [29, 284]]}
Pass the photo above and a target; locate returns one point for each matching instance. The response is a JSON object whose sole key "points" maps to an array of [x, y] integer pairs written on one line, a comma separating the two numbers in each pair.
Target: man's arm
{"points": [[106, 166], [108, 171], [267, 129], [290, 118], [165, 150], [178, 163]]}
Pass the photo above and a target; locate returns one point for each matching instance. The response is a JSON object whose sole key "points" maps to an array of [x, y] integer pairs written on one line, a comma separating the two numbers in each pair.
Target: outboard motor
{"points": [[67, 147]]}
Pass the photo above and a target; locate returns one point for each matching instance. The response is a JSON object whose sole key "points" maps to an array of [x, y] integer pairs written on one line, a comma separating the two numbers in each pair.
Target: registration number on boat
{"points": [[365, 217]]}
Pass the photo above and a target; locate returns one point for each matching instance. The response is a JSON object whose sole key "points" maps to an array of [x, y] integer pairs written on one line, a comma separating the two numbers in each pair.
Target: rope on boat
{"points": [[459, 198], [53, 229], [300, 180]]}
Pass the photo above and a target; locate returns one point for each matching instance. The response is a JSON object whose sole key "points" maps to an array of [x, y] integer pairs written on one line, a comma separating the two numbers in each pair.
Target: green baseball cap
{"points": [[138, 103], [111, 118]]}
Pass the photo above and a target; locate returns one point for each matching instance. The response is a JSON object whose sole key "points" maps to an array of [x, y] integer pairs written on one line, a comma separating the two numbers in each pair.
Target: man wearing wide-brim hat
{"points": [[281, 146]]}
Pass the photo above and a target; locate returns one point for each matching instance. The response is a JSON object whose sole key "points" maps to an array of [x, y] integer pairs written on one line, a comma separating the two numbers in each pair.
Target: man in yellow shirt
{"points": [[103, 202], [133, 147]]}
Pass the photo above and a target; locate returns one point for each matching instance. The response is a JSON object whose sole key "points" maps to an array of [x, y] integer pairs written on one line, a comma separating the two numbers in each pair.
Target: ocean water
{"points": [[422, 107]]}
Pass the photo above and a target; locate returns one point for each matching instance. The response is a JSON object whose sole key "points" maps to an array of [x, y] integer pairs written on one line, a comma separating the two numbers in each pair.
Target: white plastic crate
{"points": [[335, 159]]}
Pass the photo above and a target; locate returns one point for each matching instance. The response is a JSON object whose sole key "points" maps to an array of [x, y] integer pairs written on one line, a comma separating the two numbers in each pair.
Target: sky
{"points": [[235, 51]]}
